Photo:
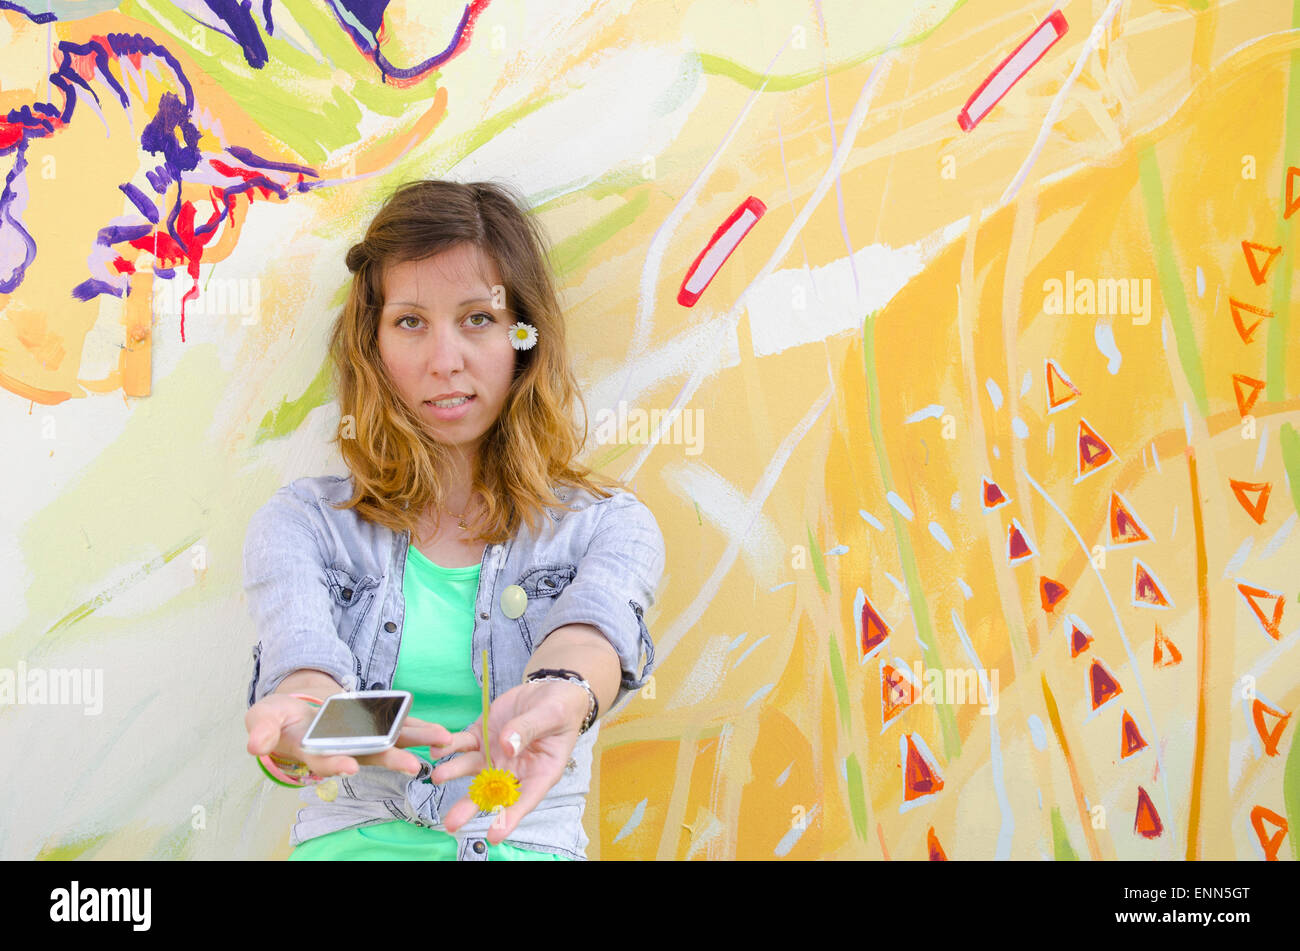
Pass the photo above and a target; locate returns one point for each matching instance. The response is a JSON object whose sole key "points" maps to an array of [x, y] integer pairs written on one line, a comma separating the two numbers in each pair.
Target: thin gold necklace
{"points": [[460, 519]]}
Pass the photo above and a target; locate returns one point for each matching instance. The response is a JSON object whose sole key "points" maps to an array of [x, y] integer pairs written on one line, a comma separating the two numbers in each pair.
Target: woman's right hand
{"points": [[278, 722]]}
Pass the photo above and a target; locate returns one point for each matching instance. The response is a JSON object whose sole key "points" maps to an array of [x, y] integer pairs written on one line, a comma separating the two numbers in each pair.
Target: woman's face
{"points": [[439, 334]]}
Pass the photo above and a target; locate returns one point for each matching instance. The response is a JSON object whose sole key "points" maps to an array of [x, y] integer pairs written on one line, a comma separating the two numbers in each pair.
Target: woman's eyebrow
{"points": [[412, 303]]}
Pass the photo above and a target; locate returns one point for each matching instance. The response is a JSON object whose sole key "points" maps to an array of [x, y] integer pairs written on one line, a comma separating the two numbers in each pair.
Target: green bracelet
{"points": [[278, 782]]}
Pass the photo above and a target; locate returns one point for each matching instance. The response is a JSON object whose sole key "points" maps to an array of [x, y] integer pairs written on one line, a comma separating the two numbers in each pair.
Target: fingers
{"points": [[393, 759], [417, 732], [532, 790], [266, 721], [468, 765], [332, 765]]}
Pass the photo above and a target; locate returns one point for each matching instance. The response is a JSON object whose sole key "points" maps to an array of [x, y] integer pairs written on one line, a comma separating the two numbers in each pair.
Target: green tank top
{"points": [[432, 663]]}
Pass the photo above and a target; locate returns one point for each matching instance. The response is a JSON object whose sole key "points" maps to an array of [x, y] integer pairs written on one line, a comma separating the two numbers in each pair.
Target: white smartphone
{"points": [[357, 723]]}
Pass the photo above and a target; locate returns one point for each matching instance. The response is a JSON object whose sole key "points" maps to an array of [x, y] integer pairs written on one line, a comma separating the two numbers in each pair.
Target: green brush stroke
{"points": [[1289, 439], [74, 849], [571, 253], [906, 554], [857, 796], [819, 564], [1171, 286], [1275, 382], [713, 65], [272, 96], [87, 608], [1280, 322], [1061, 839], [287, 417], [600, 461], [841, 682]]}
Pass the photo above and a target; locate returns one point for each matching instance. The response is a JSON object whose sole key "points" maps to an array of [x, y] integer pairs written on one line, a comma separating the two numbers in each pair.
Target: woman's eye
{"points": [[487, 319]]}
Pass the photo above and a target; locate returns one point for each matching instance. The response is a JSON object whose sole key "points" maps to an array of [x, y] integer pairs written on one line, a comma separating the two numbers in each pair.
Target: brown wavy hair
{"points": [[398, 468]]}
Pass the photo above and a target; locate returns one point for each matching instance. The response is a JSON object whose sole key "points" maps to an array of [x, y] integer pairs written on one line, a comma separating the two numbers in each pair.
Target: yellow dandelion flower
{"points": [[494, 787]]}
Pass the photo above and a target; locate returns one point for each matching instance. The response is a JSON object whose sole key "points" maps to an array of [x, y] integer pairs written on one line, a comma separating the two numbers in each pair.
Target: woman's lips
{"points": [[449, 413]]}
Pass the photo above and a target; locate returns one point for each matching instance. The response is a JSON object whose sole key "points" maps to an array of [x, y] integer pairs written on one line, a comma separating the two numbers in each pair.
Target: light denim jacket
{"points": [[324, 588]]}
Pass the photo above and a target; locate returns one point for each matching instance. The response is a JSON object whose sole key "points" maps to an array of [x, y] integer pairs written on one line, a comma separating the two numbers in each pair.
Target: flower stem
{"points": [[487, 749]]}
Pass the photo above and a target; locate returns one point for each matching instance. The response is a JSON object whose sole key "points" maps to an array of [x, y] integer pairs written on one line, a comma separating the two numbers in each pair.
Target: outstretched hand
{"points": [[277, 724], [546, 717]]}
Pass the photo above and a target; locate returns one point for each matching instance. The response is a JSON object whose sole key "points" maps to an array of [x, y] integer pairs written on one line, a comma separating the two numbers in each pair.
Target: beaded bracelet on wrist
{"points": [[562, 673]]}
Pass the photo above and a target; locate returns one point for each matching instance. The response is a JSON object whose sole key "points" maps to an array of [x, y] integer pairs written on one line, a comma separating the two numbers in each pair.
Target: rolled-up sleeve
{"points": [[288, 597], [616, 582]]}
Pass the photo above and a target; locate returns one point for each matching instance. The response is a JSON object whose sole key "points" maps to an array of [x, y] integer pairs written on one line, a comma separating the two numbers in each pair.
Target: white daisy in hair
{"points": [[522, 336]]}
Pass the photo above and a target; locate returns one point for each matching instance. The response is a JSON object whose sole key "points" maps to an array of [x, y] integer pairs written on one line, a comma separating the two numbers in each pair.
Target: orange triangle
{"points": [[1246, 333], [1292, 200], [1270, 737], [874, 628], [1093, 451], [1259, 272], [896, 691], [1060, 391], [1123, 526], [1050, 592], [920, 778], [1271, 627], [1130, 737], [992, 493], [1147, 821], [1165, 644], [1104, 686], [1079, 640], [1145, 588], [1271, 843], [935, 849], [1256, 508], [1244, 403]]}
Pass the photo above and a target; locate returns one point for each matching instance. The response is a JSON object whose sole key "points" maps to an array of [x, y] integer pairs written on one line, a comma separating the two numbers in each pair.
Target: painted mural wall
{"points": [[951, 343]]}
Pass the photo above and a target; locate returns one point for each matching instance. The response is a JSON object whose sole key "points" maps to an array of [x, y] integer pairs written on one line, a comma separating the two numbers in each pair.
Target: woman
{"points": [[465, 525]]}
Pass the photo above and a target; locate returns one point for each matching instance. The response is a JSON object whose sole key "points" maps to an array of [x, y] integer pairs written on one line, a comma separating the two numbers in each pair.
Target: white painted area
{"points": [[608, 117], [729, 508], [830, 306], [673, 361]]}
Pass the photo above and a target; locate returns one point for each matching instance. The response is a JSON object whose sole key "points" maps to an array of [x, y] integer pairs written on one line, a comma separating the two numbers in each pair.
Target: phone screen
{"points": [[357, 717]]}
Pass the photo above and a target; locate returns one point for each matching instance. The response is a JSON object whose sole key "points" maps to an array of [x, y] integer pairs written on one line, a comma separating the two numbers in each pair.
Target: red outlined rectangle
{"points": [[1011, 70], [714, 254]]}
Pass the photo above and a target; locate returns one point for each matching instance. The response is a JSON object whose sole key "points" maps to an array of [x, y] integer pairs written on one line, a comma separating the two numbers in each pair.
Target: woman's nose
{"points": [[445, 354]]}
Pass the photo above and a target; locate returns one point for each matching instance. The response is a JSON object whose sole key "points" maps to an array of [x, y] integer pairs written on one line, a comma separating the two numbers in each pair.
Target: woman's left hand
{"points": [[546, 715]]}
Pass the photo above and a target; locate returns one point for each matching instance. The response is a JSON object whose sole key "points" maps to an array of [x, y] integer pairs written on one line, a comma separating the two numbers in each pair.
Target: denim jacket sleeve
{"points": [[615, 583], [288, 597]]}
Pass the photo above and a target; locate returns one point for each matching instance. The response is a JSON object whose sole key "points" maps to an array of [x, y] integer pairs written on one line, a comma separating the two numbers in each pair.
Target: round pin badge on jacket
{"points": [[513, 601]]}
